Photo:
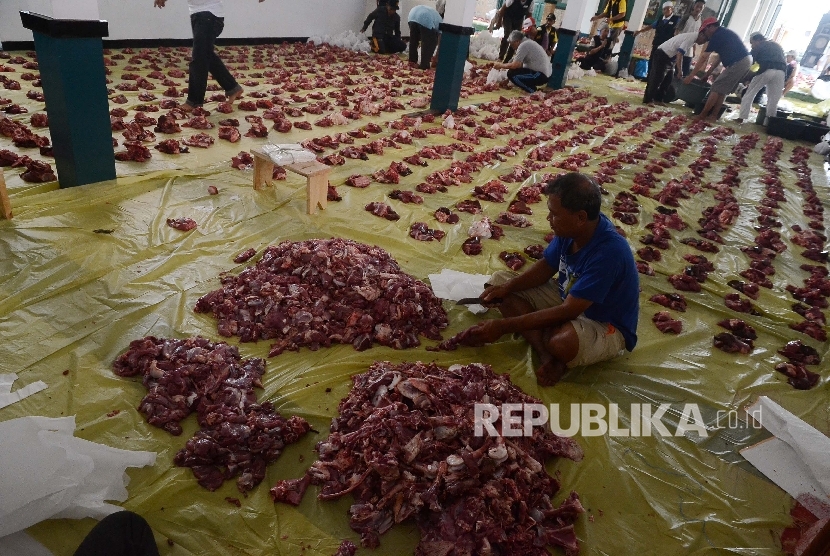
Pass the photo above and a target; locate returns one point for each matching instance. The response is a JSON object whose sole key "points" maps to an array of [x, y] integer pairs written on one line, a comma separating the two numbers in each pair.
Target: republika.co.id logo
{"points": [[593, 419]]}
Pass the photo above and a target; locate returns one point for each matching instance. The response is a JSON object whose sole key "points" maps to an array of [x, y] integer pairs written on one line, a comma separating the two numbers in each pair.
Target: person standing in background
{"points": [[510, 17], [668, 62], [731, 53], [792, 71], [614, 12], [423, 31], [663, 30], [546, 35], [771, 71], [207, 20], [690, 23]]}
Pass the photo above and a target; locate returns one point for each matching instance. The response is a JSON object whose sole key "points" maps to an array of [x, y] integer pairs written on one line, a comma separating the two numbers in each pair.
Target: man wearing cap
{"points": [[690, 23], [423, 31], [792, 71], [664, 28], [771, 71], [386, 29], [546, 35], [735, 59], [669, 55], [529, 28], [614, 12], [530, 66]]}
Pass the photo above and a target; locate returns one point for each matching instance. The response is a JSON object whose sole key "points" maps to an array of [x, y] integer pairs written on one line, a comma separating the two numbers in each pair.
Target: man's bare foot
{"points": [[186, 108], [550, 372], [232, 97]]}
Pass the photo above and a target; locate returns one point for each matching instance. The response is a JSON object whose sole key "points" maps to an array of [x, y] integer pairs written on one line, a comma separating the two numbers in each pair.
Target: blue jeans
{"points": [[527, 79], [206, 27]]}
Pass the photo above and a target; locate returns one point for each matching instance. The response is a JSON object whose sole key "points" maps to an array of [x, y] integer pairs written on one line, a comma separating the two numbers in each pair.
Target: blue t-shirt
{"points": [[426, 17], [602, 272], [728, 45]]}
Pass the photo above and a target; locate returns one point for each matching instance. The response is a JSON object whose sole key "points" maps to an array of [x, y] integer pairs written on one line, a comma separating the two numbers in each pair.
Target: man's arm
{"points": [[491, 330], [678, 63], [700, 65], [604, 13], [536, 275], [369, 20]]}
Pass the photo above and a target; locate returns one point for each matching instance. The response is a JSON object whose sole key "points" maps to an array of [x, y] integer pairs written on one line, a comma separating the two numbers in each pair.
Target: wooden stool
{"points": [[5, 204], [316, 174]]}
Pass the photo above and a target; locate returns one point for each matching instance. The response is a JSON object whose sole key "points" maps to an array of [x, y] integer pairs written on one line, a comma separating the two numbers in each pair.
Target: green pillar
{"points": [[625, 51], [562, 58], [449, 72], [70, 57]]}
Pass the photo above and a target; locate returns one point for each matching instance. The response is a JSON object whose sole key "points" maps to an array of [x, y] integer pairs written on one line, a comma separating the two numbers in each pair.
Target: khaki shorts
{"points": [[731, 76], [598, 341]]}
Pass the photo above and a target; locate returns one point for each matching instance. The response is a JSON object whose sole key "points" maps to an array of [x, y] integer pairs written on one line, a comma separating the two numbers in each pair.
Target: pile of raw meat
{"points": [[404, 446], [320, 292], [238, 437]]}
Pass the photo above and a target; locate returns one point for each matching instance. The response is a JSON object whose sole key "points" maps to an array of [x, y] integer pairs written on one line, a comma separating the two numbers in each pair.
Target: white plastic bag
{"points": [[288, 153], [480, 229], [822, 148], [496, 76]]}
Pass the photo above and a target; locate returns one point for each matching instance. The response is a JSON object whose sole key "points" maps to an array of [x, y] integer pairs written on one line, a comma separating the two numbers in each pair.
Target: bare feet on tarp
{"points": [[234, 96], [550, 372]]}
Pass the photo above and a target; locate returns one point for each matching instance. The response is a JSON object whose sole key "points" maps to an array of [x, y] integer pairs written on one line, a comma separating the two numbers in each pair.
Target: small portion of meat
{"points": [[666, 324], [734, 302], [422, 232], [290, 491], [673, 301], [797, 352], [750, 290], [245, 255], [509, 219], [812, 329], [469, 205], [171, 146], [798, 376], [445, 215], [472, 246], [644, 268], [684, 283], [649, 254], [739, 328], [183, 224], [359, 181], [406, 196], [383, 210], [731, 344], [513, 260], [700, 244], [536, 251], [346, 548], [135, 152], [229, 133]]}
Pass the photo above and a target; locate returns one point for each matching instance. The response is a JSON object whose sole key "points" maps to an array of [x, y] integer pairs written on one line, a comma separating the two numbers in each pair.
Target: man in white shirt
{"points": [[207, 19], [669, 55], [690, 23], [530, 66]]}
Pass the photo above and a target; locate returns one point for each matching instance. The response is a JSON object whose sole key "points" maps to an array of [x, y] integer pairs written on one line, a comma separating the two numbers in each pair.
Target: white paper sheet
{"points": [[7, 397], [798, 457], [46, 472], [21, 544], [454, 285]]}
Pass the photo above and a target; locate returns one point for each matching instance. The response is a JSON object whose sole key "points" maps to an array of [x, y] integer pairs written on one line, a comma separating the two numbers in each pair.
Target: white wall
{"points": [[138, 19]]}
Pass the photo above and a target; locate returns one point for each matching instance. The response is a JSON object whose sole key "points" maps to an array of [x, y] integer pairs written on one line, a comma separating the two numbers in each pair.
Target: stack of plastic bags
{"points": [[347, 39], [485, 46]]}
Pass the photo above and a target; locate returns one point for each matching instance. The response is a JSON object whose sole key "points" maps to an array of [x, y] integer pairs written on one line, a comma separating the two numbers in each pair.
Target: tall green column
{"points": [[449, 72], [70, 58], [562, 58]]}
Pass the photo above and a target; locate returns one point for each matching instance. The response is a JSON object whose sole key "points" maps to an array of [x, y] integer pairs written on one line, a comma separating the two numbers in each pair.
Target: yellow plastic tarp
{"points": [[72, 299]]}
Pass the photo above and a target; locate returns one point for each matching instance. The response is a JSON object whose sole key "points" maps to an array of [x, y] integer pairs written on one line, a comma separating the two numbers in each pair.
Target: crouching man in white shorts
{"points": [[590, 313]]}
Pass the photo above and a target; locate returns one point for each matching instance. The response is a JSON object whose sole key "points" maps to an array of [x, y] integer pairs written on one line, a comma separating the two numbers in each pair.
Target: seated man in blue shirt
{"points": [[590, 313]]}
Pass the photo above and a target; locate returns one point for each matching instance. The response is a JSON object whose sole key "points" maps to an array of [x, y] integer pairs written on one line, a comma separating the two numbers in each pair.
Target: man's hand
{"points": [[159, 3], [492, 293], [484, 333], [688, 79]]}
